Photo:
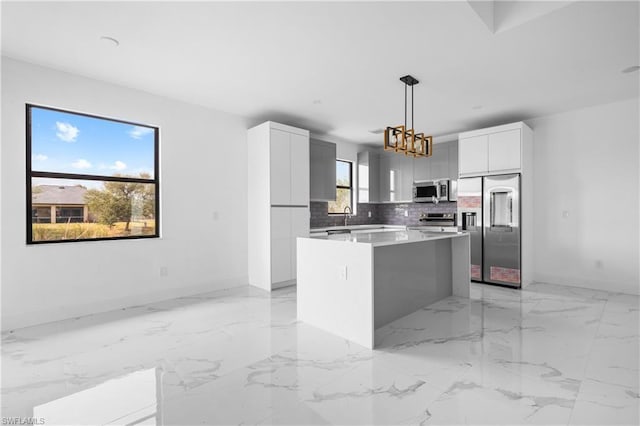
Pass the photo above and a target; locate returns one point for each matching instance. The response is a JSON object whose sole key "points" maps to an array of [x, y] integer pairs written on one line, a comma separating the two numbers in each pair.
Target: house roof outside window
{"points": [[58, 194]]}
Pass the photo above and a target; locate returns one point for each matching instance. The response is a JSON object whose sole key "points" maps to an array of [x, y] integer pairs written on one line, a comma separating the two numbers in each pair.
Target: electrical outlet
{"points": [[164, 271], [406, 213], [369, 214], [565, 214], [599, 264], [342, 273], [214, 215]]}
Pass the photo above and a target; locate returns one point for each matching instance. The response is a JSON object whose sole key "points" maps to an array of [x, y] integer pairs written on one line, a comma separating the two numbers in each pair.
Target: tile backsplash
{"points": [[384, 213]]}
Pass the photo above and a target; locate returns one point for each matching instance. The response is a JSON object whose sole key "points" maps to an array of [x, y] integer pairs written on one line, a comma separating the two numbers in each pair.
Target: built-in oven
{"points": [[433, 191]]}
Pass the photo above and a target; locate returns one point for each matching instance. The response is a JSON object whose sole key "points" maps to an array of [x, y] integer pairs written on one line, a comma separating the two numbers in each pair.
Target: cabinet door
{"points": [[453, 160], [395, 173], [405, 178], [472, 154], [280, 164], [363, 177], [280, 244], [299, 228], [421, 170], [439, 161], [280, 260], [299, 166], [385, 178], [368, 177], [322, 170], [504, 151]]}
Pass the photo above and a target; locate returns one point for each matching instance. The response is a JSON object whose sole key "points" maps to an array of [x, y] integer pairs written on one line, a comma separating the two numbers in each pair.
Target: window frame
{"points": [[350, 188], [30, 174]]}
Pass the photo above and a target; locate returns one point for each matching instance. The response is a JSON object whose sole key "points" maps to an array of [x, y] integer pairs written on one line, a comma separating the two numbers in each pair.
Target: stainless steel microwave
{"points": [[433, 191]]}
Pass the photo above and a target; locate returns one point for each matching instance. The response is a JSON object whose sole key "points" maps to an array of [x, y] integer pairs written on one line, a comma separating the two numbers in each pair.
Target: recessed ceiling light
{"points": [[476, 107], [110, 41], [317, 101], [631, 69]]}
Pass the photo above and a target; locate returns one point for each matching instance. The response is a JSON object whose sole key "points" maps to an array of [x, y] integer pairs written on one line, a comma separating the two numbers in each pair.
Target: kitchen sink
{"points": [[338, 231]]}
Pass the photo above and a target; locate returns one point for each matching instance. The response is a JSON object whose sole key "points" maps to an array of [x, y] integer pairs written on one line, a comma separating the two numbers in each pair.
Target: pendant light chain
{"points": [[405, 106], [411, 106]]}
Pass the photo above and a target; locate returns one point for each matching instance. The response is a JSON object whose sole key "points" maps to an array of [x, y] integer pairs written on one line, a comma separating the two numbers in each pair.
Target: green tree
{"points": [[120, 201]]}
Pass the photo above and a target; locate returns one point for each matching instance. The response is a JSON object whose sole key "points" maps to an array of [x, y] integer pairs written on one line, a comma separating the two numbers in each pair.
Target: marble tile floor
{"points": [[546, 355]]}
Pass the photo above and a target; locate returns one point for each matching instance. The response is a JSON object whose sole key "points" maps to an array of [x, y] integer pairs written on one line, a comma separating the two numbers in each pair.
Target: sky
{"points": [[70, 143], [342, 173]]}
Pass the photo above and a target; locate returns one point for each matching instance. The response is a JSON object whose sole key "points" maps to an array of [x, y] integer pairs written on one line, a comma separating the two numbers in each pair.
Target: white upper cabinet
{"points": [[473, 154], [280, 153], [504, 150], [289, 168], [493, 150]]}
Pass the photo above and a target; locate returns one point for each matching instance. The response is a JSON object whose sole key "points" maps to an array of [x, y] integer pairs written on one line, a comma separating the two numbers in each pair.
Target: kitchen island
{"points": [[353, 284]]}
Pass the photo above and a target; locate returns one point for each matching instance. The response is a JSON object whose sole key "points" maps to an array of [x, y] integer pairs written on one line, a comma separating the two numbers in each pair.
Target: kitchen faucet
{"points": [[346, 216]]}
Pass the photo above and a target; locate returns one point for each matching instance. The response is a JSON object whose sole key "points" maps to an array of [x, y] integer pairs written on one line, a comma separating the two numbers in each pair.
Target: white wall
{"points": [[586, 214], [203, 171]]}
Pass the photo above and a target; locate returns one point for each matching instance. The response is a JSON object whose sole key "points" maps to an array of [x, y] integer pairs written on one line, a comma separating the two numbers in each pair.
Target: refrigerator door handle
{"points": [[510, 210]]}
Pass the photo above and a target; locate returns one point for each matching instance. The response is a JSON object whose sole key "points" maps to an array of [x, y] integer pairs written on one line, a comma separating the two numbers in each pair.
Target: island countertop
{"points": [[379, 239]]}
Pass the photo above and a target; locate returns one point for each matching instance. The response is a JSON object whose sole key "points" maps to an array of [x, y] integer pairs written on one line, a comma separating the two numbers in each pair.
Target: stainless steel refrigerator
{"points": [[489, 209]]}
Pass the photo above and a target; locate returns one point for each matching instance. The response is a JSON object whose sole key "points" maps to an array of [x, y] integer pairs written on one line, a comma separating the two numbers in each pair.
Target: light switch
{"points": [[565, 214]]}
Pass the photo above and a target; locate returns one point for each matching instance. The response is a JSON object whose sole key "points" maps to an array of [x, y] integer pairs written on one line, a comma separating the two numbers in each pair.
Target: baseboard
{"points": [[58, 313], [630, 288]]}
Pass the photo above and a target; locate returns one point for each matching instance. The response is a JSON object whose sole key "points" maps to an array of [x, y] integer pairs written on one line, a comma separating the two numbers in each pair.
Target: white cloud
{"points": [[40, 157], [81, 164], [118, 165], [138, 132], [66, 132]]}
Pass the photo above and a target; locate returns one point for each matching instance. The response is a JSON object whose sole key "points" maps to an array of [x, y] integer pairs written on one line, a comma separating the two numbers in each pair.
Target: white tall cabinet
{"points": [[278, 190]]}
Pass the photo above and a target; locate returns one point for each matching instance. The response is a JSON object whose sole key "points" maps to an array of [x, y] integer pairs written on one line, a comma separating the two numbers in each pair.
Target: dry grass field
{"points": [[87, 231]]}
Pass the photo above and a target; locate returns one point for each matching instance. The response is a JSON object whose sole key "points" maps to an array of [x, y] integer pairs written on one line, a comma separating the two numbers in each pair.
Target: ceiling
{"points": [[334, 67]]}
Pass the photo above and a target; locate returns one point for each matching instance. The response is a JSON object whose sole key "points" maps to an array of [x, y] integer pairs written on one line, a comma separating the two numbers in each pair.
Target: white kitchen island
{"points": [[352, 284]]}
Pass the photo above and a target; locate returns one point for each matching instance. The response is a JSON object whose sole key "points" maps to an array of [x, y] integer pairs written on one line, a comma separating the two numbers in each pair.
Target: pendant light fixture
{"points": [[407, 141]]}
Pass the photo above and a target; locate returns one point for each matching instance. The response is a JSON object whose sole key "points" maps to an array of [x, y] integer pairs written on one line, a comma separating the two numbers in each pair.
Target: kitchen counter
{"points": [[392, 237], [353, 284], [359, 228]]}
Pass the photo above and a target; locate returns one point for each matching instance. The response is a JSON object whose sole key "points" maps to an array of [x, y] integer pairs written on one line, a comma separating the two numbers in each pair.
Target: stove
{"points": [[439, 222]]}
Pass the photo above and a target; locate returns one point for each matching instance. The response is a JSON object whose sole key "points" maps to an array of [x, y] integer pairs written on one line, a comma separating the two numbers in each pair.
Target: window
{"points": [[90, 178], [344, 185]]}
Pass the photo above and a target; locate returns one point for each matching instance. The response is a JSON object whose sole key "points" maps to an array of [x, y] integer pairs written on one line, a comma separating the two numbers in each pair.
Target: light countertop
{"points": [[358, 227], [378, 239]]}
